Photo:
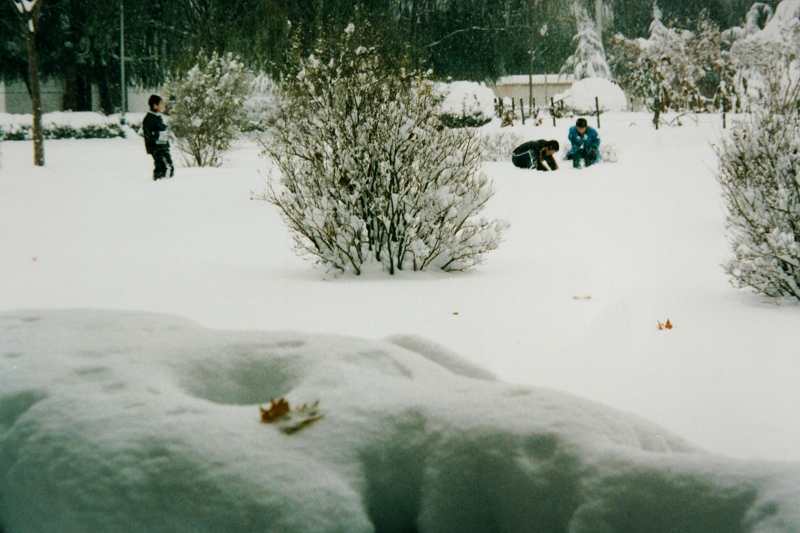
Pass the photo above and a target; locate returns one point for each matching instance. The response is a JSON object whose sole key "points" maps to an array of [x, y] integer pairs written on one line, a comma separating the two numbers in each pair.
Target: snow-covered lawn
{"points": [[571, 301]]}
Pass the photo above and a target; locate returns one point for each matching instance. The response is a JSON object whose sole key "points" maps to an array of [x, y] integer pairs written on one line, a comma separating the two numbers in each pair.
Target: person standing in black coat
{"points": [[534, 154], [156, 138]]}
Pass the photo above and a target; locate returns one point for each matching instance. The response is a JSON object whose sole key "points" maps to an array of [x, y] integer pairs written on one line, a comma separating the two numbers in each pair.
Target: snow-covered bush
{"points": [[760, 170], [466, 104], [499, 144], [260, 110], [674, 69], [768, 65], [760, 178], [206, 107], [367, 172]]}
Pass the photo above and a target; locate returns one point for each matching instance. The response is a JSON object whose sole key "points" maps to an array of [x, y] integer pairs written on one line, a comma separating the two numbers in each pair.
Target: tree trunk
{"points": [[36, 99]]}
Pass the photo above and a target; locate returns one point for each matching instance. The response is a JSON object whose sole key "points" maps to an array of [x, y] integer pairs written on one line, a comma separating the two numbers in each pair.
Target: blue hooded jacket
{"points": [[590, 139]]}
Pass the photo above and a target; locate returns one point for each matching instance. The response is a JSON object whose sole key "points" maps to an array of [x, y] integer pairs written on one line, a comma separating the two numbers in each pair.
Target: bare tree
{"points": [[28, 12]]}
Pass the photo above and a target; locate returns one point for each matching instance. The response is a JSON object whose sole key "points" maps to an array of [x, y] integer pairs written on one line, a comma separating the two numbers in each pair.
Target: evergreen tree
{"points": [[589, 59]]}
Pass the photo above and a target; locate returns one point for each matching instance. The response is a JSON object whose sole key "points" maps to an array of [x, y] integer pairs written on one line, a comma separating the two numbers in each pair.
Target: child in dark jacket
{"points": [[156, 138], [534, 154]]}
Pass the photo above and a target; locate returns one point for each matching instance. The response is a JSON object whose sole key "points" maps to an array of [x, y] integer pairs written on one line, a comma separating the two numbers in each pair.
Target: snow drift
{"points": [[127, 421], [581, 96]]}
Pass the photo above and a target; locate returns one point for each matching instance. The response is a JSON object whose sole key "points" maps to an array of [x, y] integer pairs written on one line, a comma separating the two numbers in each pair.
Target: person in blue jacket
{"points": [[585, 144]]}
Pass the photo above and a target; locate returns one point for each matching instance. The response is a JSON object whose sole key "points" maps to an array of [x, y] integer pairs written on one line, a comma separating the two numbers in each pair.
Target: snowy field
{"points": [[569, 303]]}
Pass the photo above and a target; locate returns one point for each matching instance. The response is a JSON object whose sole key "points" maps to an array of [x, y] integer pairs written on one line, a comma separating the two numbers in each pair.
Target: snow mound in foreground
{"points": [[142, 422]]}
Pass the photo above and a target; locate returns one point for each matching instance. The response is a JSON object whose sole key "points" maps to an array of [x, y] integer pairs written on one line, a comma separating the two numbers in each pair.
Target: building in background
{"points": [[542, 87], [14, 97]]}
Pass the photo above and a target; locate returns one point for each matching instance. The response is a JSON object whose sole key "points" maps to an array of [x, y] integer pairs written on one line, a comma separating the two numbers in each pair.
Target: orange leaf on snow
{"points": [[277, 409], [279, 413]]}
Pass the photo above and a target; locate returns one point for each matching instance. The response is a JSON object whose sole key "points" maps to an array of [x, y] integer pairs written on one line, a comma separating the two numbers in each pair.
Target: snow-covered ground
{"points": [[117, 410]]}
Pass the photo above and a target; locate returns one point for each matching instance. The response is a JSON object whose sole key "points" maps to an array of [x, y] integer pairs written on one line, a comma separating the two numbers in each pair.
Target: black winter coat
{"points": [[531, 155], [152, 127]]}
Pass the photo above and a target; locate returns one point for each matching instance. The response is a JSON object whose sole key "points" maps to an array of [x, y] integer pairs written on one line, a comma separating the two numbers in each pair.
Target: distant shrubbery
{"points": [[61, 126]]}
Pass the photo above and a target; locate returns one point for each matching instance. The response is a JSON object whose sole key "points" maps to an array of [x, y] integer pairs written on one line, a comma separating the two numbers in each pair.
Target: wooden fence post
{"points": [[597, 109], [513, 111], [522, 110], [553, 111], [724, 117]]}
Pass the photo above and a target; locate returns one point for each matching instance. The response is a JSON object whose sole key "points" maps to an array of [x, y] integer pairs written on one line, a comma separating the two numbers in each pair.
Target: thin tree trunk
{"points": [[36, 99], [28, 16]]}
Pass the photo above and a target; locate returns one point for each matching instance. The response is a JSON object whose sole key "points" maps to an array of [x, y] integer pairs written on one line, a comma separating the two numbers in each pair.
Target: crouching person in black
{"points": [[156, 138], [534, 154]]}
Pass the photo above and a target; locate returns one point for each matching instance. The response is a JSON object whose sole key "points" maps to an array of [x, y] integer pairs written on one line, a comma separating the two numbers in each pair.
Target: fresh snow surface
{"points": [[142, 324]]}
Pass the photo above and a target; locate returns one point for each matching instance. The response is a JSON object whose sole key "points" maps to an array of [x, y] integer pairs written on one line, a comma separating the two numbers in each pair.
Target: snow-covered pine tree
{"points": [[367, 172], [759, 170], [206, 107], [589, 59], [757, 17]]}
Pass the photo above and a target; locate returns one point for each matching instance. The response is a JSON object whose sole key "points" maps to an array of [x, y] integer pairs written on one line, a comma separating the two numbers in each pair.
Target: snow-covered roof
{"points": [[537, 79]]}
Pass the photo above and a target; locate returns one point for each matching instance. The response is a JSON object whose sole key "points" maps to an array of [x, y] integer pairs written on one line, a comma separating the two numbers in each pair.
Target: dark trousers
{"points": [[589, 156], [163, 164], [528, 159]]}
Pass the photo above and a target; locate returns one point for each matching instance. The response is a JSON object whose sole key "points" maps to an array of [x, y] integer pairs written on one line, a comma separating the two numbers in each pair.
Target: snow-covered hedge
{"points": [[61, 125], [465, 104], [368, 173]]}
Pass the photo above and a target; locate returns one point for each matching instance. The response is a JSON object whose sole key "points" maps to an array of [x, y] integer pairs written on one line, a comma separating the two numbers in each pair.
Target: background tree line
{"points": [[79, 40]]}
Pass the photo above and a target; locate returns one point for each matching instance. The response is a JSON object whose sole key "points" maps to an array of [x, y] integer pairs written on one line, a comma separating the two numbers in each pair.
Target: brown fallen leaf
{"points": [[280, 413], [276, 410]]}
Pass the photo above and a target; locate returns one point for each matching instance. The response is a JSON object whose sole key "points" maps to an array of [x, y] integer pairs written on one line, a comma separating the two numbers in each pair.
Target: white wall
{"points": [[15, 99]]}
